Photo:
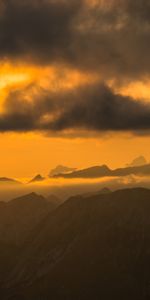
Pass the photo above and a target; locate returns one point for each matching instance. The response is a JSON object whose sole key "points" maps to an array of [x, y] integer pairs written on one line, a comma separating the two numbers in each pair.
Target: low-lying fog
{"points": [[64, 188]]}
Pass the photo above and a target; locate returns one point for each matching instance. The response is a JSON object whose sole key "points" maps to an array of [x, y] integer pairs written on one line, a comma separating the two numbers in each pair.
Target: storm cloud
{"points": [[37, 29], [111, 38], [89, 108]]}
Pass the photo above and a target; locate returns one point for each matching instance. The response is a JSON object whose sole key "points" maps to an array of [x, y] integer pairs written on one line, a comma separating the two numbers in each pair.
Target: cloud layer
{"points": [[110, 39], [96, 108]]}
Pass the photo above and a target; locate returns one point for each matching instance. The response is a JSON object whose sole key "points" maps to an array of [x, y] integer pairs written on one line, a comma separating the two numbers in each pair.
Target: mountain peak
{"points": [[37, 178], [25, 200], [91, 172], [138, 161], [9, 180], [105, 167], [60, 169]]}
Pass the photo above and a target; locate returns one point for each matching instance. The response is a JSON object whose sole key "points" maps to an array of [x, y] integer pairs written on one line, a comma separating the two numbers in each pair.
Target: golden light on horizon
{"points": [[38, 154]]}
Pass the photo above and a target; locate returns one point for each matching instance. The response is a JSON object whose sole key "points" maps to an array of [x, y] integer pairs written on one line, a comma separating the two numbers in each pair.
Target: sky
{"points": [[74, 84]]}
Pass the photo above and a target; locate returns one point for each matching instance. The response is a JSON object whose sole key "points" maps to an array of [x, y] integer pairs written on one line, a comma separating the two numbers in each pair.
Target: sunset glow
{"points": [[72, 92], [74, 149]]}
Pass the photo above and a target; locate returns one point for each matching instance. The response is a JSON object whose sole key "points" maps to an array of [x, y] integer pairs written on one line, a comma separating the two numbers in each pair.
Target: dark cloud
{"points": [[98, 108], [113, 40], [90, 108], [40, 30]]}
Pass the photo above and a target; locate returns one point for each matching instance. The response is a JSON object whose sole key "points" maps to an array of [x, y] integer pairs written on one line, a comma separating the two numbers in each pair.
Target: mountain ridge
{"points": [[9, 180], [105, 171], [37, 178], [87, 245]]}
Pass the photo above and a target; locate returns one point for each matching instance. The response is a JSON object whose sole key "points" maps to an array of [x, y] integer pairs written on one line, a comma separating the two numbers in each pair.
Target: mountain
{"points": [[54, 200], [9, 181], [138, 170], [88, 248], [61, 169], [104, 171], [37, 178], [105, 190], [19, 216], [17, 220], [97, 171], [138, 161]]}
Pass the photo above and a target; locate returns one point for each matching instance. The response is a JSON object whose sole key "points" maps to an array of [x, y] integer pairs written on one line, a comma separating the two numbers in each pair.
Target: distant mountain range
{"points": [[9, 180], [60, 169], [104, 170], [93, 247], [138, 166], [37, 178], [138, 161]]}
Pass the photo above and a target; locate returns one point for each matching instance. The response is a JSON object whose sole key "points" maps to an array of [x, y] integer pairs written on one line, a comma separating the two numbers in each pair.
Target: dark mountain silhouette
{"points": [[61, 169], [17, 220], [54, 200], [88, 248], [37, 178], [104, 171], [19, 216], [105, 190]]}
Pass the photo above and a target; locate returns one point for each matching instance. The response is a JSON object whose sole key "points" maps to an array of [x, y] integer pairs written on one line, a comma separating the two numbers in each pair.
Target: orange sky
{"points": [[92, 43], [29, 154], [24, 155]]}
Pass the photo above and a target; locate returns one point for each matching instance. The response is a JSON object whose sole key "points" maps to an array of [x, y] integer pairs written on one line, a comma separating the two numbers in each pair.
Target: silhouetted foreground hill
{"points": [[20, 215], [103, 171], [17, 220], [88, 248]]}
